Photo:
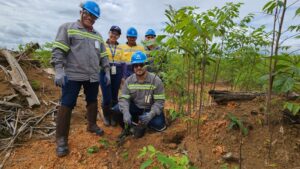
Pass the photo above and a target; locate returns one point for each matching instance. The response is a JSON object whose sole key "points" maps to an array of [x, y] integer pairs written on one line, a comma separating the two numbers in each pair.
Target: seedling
{"points": [[162, 160], [294, 108], [236, 123], [174, 114], [104, 142], [92, 150], [125, 155], [35, 84]]}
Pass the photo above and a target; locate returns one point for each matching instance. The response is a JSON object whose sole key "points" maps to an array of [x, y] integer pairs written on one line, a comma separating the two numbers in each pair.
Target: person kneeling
{"points": [[142, 99]]}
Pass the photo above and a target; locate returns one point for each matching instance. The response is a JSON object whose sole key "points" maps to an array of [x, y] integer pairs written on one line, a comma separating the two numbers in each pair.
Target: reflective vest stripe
{"points": [[85, 34], [159, 97], [141, 86], [61, 46], [125, 96], [103, 54]]}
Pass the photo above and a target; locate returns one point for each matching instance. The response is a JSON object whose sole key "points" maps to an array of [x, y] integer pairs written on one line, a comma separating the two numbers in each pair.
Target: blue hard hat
{"points": [[138, 57], [132, 32], [92, 7], [150, 32]]}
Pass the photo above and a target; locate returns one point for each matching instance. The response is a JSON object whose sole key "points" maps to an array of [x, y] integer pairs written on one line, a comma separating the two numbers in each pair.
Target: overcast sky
{"points": [[23, 21]]}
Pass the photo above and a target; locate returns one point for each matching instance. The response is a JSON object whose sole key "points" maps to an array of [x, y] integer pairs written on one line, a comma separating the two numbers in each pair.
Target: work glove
{"points": [[127, 118], [60, 77], [146, 117], [107, 78]]}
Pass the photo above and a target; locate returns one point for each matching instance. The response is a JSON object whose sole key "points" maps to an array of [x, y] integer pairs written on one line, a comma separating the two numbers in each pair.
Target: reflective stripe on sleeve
{"points": [[61, 46]]}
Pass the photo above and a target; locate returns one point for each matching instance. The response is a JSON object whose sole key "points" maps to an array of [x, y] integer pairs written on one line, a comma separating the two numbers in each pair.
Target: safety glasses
{"points": [[150, 37], [139, 65], [85, 12]]}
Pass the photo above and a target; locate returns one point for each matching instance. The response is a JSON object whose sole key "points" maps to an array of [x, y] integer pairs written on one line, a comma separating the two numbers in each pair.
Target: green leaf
{"points": [[104, 142], [159, 38], [269, 6], [125, 155], [295, 28], [280, 3], [230, 126], [288, 84], [288, 106], [92, 150], [151, 149], [292, 107], [166, 160], [184, 160], [142, 152], [296, 109], [146, 164], [244, 130], [297, 12]]}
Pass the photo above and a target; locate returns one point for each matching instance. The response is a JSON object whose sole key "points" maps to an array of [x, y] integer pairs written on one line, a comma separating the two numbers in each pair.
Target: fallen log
{"points": [[19, 77], [223, 96]]}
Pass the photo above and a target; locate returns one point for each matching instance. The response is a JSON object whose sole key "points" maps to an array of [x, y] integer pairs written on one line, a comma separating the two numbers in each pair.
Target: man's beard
{"points": [[142, 74]]}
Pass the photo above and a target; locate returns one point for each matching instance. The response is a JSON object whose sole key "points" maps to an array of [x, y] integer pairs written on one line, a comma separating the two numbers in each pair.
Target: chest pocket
{"points": [[76, 40]]}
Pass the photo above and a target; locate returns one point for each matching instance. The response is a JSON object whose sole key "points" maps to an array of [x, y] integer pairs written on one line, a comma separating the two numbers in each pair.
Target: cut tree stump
{"points": [[19, 79], [223, 96]]}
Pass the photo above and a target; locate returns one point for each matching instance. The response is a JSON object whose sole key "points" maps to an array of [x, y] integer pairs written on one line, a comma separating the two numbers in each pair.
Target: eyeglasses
{"points": [[90, 14], [131, 37], [150, 37], [139, 65]]}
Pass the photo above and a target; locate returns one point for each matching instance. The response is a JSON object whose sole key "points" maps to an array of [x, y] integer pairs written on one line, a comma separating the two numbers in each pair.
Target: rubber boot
{"points": [[92, 110], [117, 116], [62, 130], [112, 121], [106, 115]]}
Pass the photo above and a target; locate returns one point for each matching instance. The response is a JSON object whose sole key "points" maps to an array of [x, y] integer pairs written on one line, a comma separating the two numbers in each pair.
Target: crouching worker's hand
{"points": [[146, 117], [127, 118]]}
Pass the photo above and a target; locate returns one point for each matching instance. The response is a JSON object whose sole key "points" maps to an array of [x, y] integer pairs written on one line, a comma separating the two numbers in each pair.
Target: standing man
{"points": [[142, 100], [78, 52], [117, 64], [129, 48], [150, 41], [151, 45]]}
